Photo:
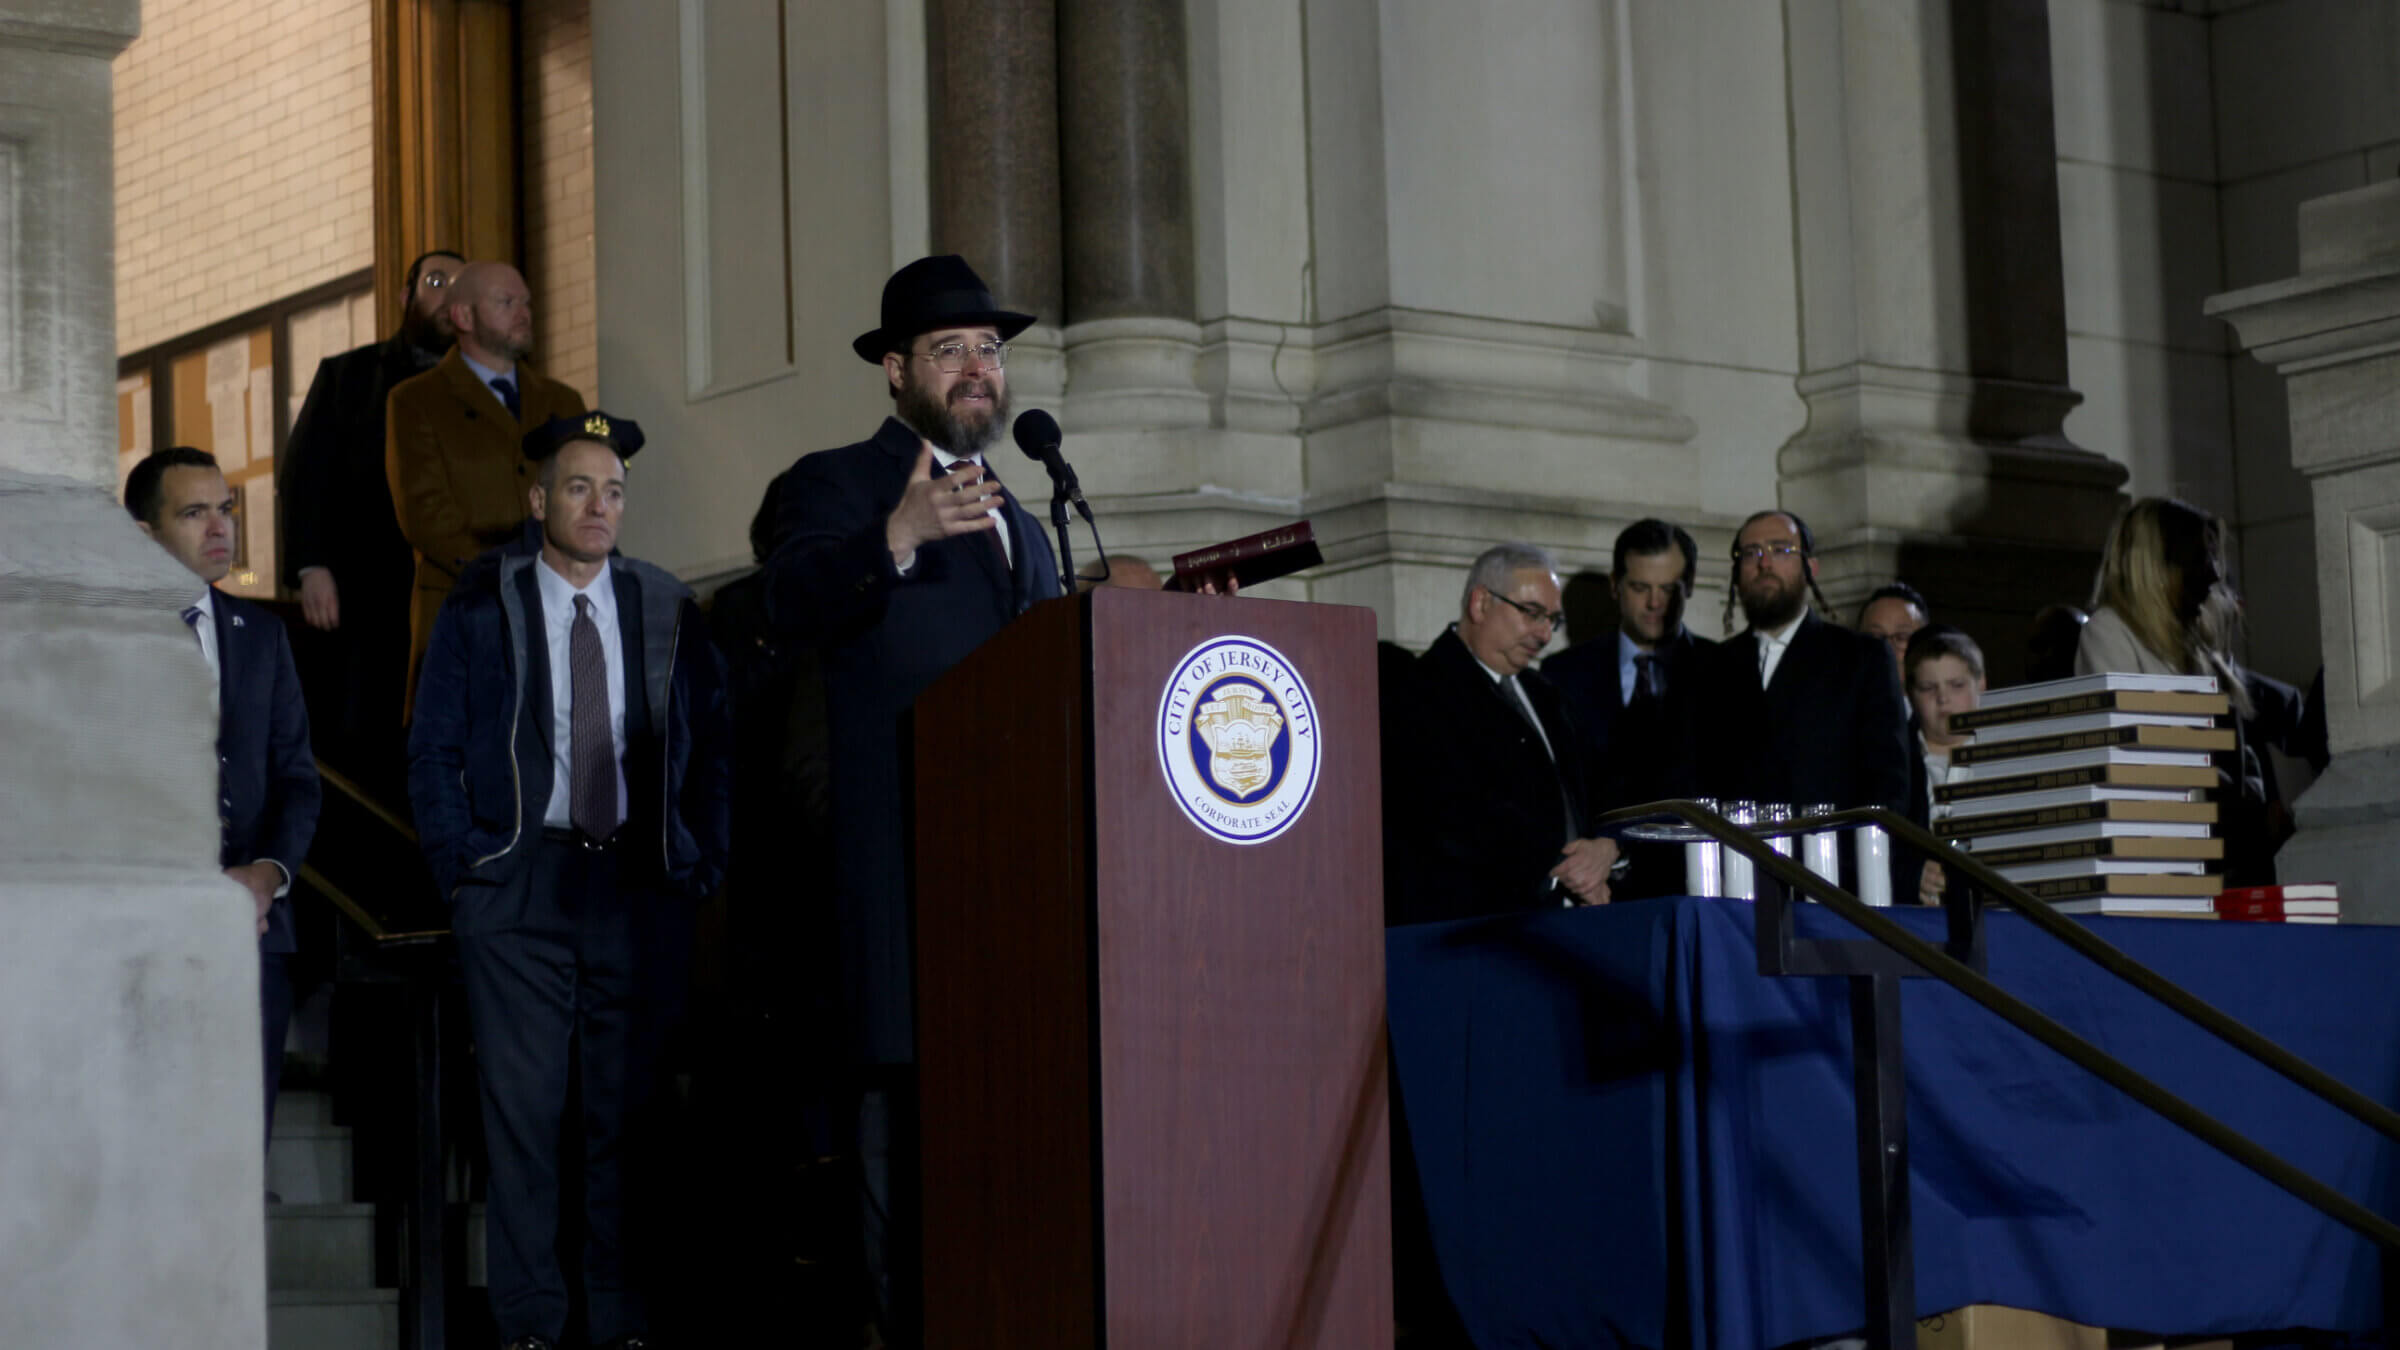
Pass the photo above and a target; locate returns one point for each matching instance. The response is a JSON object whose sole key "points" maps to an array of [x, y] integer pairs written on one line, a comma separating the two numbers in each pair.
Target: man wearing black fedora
{"points": [[896, 557]]}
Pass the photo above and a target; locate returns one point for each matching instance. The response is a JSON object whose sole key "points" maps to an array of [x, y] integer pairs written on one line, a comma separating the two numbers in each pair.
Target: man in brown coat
{"points": [[452, 436]]}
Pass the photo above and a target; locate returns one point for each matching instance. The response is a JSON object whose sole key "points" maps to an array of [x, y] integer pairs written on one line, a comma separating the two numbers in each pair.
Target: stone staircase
{"points": [[321, 1291]]}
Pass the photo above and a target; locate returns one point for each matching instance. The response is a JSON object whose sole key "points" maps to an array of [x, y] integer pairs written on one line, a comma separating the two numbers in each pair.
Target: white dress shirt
{"points": [[558, 622], [1771, 646], [206, 631], [1938, 773]]}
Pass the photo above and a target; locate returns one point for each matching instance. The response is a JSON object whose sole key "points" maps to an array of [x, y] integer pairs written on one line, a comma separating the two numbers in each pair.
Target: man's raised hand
{"points": [[960, 502]]}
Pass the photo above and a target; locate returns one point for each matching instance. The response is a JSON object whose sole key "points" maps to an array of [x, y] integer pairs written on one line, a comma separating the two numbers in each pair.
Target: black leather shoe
{"points": [[530, 1343], [632, 1342]]}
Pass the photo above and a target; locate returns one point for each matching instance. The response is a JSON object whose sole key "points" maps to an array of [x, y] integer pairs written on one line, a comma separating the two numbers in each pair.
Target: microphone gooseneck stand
{"points": [[1037, 434], [1066, 551]]}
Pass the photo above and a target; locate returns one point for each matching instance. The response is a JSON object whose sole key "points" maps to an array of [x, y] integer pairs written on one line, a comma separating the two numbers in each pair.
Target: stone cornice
{"points": [[2319, 319], [99, 28]]}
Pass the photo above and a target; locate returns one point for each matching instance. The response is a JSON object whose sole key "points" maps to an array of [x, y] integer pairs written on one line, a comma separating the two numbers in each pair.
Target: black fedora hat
{"points": [[930, 293]]}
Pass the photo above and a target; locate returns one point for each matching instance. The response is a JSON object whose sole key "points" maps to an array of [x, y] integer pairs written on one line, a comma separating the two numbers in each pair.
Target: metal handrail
{"points": [[426, 1255], [367, 922], [2099, 1063], [354, 792], [2308, 1076], [343, 901]]}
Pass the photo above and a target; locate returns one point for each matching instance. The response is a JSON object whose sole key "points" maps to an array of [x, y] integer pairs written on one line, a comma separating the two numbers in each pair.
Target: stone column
{"points": [[1125, 186], [2333, 333], [992, 89], [1125, 161], [1933, 336], [132, 1177]]}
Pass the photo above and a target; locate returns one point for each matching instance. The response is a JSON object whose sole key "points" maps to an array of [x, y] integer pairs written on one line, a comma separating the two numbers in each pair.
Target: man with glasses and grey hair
{"points": [[894, 558], [1488, 810]]}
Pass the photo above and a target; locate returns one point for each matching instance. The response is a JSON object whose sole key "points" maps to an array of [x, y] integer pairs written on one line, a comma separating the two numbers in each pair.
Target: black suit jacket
{"points": [[334, 501], [1828, 729], [267, 788], [884, 638], [1479, 822], [1625, 764]]}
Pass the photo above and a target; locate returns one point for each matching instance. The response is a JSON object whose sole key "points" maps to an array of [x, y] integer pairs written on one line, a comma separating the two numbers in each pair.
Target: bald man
{"points": [[452, 436]]}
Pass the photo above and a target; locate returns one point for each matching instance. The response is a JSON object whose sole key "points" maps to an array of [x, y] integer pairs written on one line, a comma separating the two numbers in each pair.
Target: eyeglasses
{"points": [[433, 281], [1532, 613], [951, 357], [1761, 552]]}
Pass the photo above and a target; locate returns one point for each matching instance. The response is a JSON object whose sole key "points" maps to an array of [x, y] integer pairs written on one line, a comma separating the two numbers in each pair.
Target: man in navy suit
{"points": [[267, 789], [1632, 698], [1797, 709], [894, 558]]}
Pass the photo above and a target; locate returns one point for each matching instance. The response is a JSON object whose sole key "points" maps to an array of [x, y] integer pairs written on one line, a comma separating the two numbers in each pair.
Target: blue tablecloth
{"points": [[1627, 1136]]}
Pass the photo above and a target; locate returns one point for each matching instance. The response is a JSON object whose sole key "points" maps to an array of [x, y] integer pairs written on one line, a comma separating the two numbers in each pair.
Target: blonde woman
{"points": [[2163, 606]]}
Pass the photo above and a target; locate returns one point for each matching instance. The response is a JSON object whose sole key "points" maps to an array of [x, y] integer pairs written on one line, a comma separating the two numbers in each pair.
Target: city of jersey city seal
{"points": [[1237, 740]]}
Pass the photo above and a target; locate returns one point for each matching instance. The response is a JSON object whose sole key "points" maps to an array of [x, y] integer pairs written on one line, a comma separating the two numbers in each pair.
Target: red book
{"points": [[1253, 560], [2304, 902]]}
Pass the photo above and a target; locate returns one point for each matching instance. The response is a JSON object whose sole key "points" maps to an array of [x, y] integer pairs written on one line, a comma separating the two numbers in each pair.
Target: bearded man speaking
{"points": [[896, 557], [1798, 709]]}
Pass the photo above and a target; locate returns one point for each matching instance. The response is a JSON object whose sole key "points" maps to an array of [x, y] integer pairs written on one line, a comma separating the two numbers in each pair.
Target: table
{"points": [[1627, 1136]]}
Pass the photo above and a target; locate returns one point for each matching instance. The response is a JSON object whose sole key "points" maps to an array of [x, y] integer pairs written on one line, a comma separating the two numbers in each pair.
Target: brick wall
{"points": [[555, 39], [243, 143]]}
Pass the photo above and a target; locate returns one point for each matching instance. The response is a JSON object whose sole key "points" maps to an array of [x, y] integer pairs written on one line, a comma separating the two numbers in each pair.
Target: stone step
{"points": [[325, 1247], [314, 1319], [309, 1164]]}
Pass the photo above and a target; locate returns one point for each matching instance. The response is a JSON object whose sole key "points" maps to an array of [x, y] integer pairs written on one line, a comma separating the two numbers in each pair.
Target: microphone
{"points": [[1037, 434]]}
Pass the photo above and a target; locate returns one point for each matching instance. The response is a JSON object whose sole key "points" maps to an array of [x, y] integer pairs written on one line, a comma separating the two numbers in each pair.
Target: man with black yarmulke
{"points": [[569, 765]]}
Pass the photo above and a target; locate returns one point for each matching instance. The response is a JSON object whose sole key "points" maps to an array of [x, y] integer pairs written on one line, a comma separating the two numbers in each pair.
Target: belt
{"points": [[578, 839]]}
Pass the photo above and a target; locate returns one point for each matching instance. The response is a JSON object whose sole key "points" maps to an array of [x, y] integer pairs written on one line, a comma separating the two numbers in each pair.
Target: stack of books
{"points": [[2298, 902], [2092, 793]]}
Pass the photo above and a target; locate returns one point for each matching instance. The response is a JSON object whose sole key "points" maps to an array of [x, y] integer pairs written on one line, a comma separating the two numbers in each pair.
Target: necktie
{"points": [[1645, 679], [506, 388], [991, 536], [191, 620], [591, 750], [1514, 693]]}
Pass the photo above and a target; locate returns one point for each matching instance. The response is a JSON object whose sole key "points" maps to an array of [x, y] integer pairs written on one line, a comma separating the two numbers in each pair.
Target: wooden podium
{"points": [[1150, 1017]]}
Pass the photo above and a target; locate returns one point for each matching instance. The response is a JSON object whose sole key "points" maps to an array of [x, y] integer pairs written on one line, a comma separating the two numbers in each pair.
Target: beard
{"points": [[425, 332], [1765, 610], [512, 349], [933, 417]]}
